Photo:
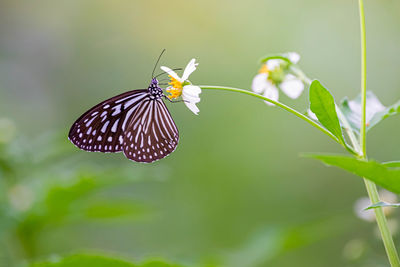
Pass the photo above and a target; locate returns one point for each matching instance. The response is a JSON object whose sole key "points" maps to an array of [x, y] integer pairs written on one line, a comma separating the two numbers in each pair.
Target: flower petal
{"points": [[191, 66], [192, 89], [364, 202], [192, 107], [190, 94], [293, 57], [373, 106], [359, 209], [273, 64], [259, 83], [170, 72], [292, 86], [271, 92]]}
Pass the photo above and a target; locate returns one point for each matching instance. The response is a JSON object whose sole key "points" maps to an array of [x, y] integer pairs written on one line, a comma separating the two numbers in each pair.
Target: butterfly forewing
{"points": [[102, 127], [151, 134]]}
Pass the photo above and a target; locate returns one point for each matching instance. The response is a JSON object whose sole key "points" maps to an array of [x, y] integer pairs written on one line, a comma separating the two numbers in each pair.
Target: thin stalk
{"points": [[380, 216], [283, 106], [363, 136], [382, 225], [300, 74], [361, 149], [362, 146]]}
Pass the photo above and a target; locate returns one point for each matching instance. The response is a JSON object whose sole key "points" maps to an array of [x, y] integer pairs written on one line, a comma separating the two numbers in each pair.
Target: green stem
{"points": [[287, 108], [362, 147], [300, 74], [363, 139], [382, 225], [380, 217]]}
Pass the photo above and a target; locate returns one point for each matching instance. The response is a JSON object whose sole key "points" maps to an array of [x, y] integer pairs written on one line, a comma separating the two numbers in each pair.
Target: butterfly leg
{"points": [[175, 101]]}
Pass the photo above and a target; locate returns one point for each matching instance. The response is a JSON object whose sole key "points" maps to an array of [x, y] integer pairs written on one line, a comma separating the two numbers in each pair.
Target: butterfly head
{"points": [[154, 82], [154, 90]]}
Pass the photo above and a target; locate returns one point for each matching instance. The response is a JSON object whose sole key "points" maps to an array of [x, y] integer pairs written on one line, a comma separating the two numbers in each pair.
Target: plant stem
{"points": [[363, 136], [380, 217], [362, 147], [359, 146], [300, 74], [382, 225], [283, 106]]}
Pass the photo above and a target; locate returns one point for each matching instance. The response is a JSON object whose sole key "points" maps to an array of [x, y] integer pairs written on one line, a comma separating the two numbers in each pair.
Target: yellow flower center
{"points": [[275, 76], [175, 89], [264, 69]]}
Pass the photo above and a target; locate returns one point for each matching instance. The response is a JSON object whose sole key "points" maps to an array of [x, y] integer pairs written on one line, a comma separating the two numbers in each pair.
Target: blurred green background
{"points": [[235, 192]]}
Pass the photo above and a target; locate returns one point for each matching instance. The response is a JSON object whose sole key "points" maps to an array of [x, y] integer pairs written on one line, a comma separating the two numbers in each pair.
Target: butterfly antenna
{"points": [[158, 60], [166, 72]]}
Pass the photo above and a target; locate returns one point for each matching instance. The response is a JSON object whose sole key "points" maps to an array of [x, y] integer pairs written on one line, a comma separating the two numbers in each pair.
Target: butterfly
{"points": [[136, 123]]}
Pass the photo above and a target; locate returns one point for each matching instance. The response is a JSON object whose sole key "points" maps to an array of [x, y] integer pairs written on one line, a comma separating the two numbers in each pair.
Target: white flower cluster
{"points": [[274, 74]]}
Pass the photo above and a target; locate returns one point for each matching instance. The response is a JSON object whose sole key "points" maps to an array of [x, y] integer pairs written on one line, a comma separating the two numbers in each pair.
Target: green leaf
{"points": [[379, 116], [375, 111], [82, 260], [392, 164], [380, 173], [383, 204], [323, 106], [87, 260], [158, 263], [263, 246], [111, 209], [60, 197]]}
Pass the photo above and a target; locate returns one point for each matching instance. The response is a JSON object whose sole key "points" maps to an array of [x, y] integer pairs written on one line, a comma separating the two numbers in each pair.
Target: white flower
{"points": [[293, 57], [273, 75], [364, 202], [190, 94], [292, 86], [273, 64], [261, 84], [180, 86], [373, 106]]}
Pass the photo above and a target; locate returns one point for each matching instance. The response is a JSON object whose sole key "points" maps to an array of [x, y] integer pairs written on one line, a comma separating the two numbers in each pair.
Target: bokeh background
{"points": [[235, 192]]}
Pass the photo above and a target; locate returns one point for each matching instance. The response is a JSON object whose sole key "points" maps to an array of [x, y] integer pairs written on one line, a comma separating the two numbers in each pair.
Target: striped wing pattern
{"points": [[151, 134], [102, 127]]}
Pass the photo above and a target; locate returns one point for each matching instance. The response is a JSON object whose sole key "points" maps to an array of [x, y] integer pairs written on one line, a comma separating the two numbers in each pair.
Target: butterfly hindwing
{"points": [[151, 134], [101, 128]]}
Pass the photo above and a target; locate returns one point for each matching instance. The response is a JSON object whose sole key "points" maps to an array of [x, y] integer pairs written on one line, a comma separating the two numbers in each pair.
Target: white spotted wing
{"points": [[102, 127], [151, 134]]}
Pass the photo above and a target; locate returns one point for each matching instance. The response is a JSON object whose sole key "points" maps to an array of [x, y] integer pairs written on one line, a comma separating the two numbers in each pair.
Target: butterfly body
{"points": [[136, 122], [154, 90]]}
